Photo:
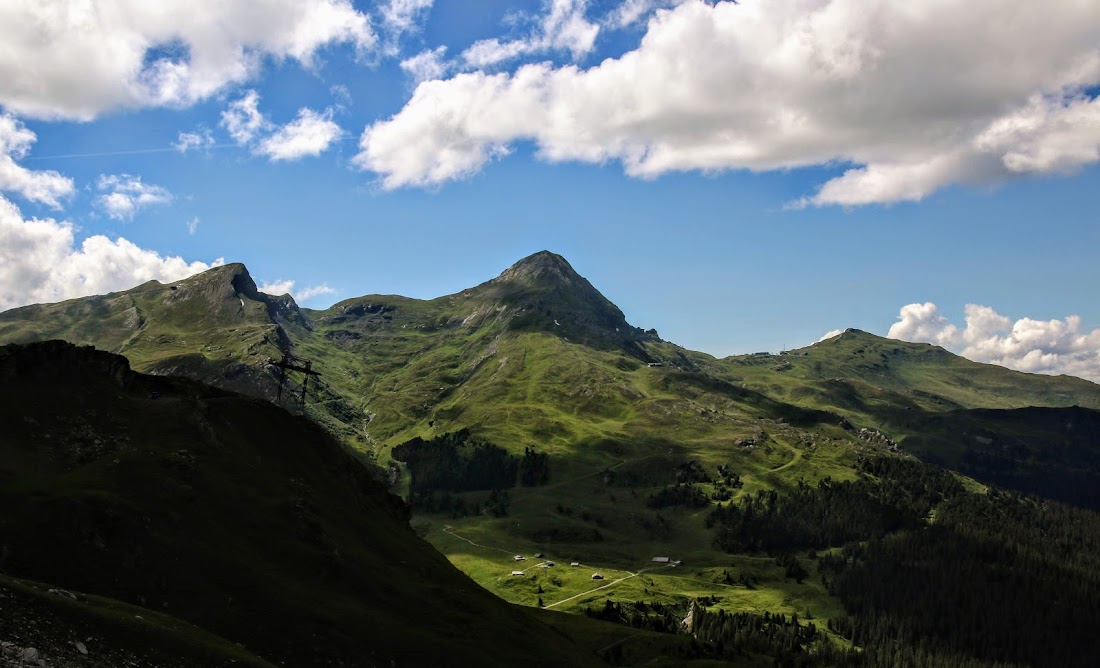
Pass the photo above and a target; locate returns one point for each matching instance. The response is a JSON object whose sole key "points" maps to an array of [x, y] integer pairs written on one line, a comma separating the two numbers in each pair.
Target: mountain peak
{"points": [[541, 265]]}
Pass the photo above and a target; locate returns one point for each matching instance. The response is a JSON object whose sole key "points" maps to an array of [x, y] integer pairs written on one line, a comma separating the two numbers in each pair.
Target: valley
{"points": [[525, 416]]}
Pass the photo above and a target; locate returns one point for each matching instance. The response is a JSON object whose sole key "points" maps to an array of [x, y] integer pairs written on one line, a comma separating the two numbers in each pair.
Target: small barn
{"points": [[517, 572]]}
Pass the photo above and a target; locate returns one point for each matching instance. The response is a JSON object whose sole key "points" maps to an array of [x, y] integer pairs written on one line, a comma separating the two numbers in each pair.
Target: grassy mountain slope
{"points": [[854, 367], [215, 327], [229, 513], [537, 357], [638, 430]]}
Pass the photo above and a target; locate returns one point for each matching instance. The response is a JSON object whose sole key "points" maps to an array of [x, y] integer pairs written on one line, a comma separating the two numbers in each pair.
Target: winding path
{"points": [[447, 529], [585, 593], [794, 460]]}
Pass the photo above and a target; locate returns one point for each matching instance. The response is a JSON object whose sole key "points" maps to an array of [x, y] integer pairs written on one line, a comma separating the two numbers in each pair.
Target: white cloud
{"points": [[193, 225], [427, 65], [193, 141], [78, 59], [633, 11], [1034, 346], [923, 322], [40, 262], [341, 96], [45, 187], [911, 97], [830, 334], [242, 118], [563, 27], [286, 287], [308, 135], [403, 15], [124, 195], [277, 288], [1048, 135], [313, 291]]}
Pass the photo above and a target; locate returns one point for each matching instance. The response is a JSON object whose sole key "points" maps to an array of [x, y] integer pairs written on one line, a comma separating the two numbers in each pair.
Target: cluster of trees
{"points": [[640, 615], [997, 579], [721, 635], [534, 468], [929, 574], [692, 471], [786, 639], [460, 462], [891, 494], [792, 567], [727, 481], [678, 495], [832, 513]]}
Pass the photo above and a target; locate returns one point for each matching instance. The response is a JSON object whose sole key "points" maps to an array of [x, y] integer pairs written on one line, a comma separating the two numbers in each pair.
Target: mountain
{"points": [[231, 514], [927, 376], [538, 357], [526, 416], [215, 327]]}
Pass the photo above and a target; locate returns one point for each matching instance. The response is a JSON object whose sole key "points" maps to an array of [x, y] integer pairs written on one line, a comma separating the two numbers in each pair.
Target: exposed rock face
{"points": [[542, 265], [543, 292]]}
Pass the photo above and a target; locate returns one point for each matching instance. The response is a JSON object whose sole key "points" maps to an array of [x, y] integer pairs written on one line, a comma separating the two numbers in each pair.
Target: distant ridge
{"points": [[536, 355]]}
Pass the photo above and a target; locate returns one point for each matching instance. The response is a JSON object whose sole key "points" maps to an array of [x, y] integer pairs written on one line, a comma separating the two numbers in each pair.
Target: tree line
{"points": [[460, 462]]}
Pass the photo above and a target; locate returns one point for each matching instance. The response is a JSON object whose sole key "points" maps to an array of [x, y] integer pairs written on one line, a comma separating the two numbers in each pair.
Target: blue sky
{"points": [[739, 177]]}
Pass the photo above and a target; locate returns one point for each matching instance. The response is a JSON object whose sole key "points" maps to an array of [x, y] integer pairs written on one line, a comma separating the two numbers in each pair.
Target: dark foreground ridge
{"points": [[229, 513]]}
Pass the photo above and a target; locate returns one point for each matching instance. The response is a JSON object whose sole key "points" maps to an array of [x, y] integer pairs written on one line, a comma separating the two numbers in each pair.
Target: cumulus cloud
{"points": [[923, 322], [563, 27], [242, 118], [830, 334], [633, 11], [124, 195], [286, 287], [76, 60], [194, 141], [427, 65], [45, 187], [1034, 346], [41, 262], [908, 97], [308, 135], [1048, 135], [400, 17]]}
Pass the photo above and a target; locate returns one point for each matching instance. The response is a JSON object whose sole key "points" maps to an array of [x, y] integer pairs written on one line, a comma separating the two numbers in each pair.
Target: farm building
{"points": [[597, 576]]}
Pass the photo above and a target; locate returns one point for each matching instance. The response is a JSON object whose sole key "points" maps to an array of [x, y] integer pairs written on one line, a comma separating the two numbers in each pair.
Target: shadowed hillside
{"points": [[230, 513]]}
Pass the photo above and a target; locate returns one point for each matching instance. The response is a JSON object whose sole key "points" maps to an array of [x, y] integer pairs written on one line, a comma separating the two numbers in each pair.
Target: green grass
{"points": [[228, 513], [491, 360]]}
